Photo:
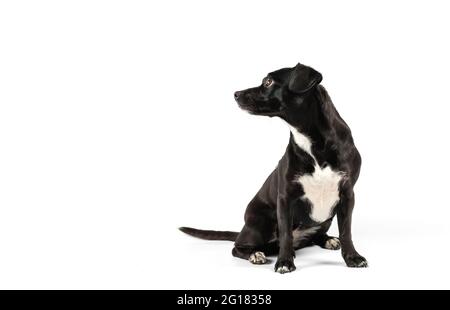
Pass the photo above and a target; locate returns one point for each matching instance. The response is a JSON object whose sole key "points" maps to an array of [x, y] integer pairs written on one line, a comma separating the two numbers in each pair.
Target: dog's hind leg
{"points": [[327, 242], [323, 240], [257, 238], [250, 254], [256, 255], [252, 246]]}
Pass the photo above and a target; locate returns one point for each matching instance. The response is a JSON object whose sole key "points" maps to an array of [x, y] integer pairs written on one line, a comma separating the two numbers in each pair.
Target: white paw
{"points": [[283, 269], [257, 258], [332, 244]]}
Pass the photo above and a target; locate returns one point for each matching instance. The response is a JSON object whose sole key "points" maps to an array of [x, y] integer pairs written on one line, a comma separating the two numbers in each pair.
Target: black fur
{"points": [[294, 94], [210, 234]]}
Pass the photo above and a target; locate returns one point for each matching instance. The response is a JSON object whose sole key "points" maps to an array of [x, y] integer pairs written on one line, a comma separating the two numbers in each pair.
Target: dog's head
{"points": [[282, 92]]}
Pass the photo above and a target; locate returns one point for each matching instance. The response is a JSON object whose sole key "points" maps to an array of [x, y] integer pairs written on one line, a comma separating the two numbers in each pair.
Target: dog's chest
{"points": [[321, 187], [321, 190]]}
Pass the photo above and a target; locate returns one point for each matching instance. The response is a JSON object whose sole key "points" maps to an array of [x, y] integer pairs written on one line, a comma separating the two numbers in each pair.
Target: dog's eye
{"points": [[268, 82]]}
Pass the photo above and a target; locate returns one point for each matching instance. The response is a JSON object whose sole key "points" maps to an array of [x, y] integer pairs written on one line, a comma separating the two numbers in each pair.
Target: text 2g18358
{"points": [[246, 299]]}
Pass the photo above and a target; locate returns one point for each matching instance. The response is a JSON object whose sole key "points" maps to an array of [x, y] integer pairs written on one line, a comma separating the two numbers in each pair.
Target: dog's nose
{"points": [[237, 94]]}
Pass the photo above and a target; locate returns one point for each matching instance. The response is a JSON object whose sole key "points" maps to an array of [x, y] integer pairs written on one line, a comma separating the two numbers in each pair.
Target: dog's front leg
{"points": [[285, 261], [344, 216]]}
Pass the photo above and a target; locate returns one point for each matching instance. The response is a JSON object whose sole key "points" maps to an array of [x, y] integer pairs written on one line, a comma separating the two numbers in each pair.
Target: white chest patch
{"points": [[322, 191], [322, 186]]}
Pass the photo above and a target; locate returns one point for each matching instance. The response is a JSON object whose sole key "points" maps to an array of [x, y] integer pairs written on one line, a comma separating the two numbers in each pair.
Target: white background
{"points": [[118, 124]]}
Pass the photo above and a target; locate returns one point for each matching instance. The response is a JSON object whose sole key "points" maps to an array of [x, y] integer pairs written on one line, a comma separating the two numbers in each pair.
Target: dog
{"points": [[312, 182]]}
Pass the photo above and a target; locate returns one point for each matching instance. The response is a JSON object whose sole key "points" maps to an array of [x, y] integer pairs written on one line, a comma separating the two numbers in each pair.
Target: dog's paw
{"points": [[332, 243], [356, 261], [284, 265], [257, 258]]}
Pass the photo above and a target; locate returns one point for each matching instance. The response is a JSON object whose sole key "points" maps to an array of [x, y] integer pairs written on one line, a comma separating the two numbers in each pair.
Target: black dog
{"points": [[313, 181]]}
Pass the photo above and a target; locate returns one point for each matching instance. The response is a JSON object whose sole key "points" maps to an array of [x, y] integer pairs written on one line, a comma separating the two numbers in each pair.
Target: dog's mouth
{"points": [[248, 103], [253, 109], [249, 106]]}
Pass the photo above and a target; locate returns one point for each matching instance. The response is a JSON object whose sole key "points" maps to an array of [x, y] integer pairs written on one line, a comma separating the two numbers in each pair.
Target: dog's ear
{"points": [[303, 78]]}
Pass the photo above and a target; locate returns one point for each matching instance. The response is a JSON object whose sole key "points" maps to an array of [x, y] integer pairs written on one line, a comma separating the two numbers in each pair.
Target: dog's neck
{"points": [[312, 131], [301, 140]]}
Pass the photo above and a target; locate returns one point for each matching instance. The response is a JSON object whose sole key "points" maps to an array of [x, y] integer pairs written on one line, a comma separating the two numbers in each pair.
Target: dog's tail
{"points": [[210, 234]]}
